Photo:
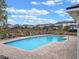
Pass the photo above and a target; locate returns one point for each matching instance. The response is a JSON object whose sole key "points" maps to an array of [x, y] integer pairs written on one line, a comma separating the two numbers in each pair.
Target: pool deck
{"points": [[59, 50]]}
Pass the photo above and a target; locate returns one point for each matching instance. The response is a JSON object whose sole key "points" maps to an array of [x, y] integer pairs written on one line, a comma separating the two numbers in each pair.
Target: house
{"points": [[66, 23], [74, 12], [44, 25], [30, 26], [40, 25], [9, 25]]}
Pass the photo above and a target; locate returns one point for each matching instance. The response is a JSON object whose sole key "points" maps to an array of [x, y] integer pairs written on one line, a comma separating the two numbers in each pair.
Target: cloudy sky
{"points": [[38, 11]]}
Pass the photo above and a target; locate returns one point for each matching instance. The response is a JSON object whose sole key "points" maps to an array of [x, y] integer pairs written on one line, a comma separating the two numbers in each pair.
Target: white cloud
{"points": [[29, 19], [25, 17], [49, 3], [57, 0], [32, 11], [29, 16], [35, 3], [74, 1], [61, 12], [60, 3], [69, 19], [10, 21], [11, 10], [52, 2]]}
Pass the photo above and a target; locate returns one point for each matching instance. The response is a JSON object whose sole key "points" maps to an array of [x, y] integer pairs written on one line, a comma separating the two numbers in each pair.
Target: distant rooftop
{"points": [[61, 22]]}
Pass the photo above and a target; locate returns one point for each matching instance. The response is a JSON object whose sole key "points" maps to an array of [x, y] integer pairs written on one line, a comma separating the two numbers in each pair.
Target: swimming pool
{"points": [[32, 43]]}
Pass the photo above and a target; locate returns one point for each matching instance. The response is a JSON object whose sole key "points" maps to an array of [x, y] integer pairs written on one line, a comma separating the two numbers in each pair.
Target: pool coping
{"points": [[19, 38], [37, 49]]}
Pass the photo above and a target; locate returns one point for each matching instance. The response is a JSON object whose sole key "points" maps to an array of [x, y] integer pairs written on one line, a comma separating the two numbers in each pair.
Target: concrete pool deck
{"points": [[59, 50]]}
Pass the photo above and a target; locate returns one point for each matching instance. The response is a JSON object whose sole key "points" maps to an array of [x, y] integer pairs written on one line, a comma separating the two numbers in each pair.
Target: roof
{"points": [[74, 6], [61, 22]]}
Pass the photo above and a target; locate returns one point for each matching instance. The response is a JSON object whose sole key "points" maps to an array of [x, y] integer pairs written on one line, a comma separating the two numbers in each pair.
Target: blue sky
{"points": [[35, 12]]}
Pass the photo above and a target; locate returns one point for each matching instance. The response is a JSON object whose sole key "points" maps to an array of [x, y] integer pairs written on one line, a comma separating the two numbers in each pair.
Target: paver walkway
{"points": [[62, 50]]}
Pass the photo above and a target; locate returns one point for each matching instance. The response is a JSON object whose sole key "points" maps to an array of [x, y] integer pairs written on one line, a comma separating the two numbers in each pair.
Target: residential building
{"points": [[74, 12], [9, 25], [72, 24], [45, 25]]}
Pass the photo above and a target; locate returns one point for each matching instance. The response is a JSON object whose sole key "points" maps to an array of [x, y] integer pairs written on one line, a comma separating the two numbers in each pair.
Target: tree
{"points": [[67, 28], [61, 27], [3, 13], [3, 17]]}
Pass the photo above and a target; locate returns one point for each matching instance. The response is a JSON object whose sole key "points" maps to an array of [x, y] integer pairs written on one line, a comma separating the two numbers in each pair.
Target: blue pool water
{"points": [[35, 42]]}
